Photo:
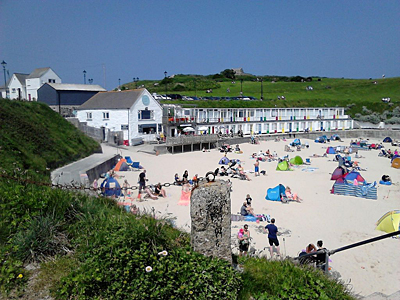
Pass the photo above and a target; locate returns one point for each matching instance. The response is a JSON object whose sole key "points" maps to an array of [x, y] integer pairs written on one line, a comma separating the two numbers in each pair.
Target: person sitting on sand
{"points": [[195, 179], [159, 191], [149, 193], [246, 210], [386, 178], [134, 209], [292, 196], [223, 172], [237, 148], [185, 175], [178, 181], [242, 173]]}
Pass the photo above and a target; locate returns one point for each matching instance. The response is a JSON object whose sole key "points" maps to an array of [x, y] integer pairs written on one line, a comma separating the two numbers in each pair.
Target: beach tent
{"points": [[111, 187], [387, 140], [335, 137], [396, 163], [296, 142], [274, 194], [296, 160], [338, 173], [354, 175], [389, 222], [330, 150], [121, 165], [347, 188], [283, 166], [224, 161]]}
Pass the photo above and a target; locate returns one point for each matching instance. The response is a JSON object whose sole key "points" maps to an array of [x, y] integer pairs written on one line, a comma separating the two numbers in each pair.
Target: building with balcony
{"points": [[255, 120]]}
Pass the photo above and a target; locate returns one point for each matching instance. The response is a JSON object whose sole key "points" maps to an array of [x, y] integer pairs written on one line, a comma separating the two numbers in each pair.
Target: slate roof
{"points": [[77, 87], [112, 100], [37, 73], [21, 77]]}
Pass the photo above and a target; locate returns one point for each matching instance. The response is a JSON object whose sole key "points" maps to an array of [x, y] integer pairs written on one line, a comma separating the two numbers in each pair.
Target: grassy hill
{"points": [[33, 137], [83, 247], [351, 93]]}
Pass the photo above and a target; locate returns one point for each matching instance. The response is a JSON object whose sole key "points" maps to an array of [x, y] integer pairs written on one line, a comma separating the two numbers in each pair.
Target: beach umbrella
{"points": [[188, 129], [389, 222]]}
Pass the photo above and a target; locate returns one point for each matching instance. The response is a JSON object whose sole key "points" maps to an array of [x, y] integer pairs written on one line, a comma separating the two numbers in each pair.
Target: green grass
{"points": [[326, 92], [33, 137]]}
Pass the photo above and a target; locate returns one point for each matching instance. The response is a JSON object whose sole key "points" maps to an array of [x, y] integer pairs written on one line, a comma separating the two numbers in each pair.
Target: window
{"points": [[13, 90], [124, 127], [52, 81], [106, 115], [88, 116], [145, 114], [147, 128]]}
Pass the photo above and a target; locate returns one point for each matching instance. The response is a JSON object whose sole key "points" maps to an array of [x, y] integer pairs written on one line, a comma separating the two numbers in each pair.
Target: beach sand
{"points": [[337, 220]]}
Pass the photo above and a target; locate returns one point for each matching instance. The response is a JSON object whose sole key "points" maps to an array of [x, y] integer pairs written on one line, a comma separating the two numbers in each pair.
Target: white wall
{"points": [[14, 84], [118, 117], [33, 84]]}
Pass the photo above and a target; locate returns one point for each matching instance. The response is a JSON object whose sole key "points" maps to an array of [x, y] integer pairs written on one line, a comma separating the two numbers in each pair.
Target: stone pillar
{"points": [[210, 211]]}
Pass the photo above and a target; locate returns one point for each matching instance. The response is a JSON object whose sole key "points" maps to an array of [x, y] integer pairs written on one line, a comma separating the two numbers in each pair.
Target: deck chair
{"points": [[135, 166], [128, 160]]}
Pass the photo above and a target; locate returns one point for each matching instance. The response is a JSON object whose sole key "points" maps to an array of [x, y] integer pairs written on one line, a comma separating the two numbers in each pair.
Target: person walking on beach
{"points": [[272, 237], [142, 181], [257, 168]]}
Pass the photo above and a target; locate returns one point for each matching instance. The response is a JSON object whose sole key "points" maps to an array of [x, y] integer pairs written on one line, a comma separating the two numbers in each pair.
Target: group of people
{"points": [[185, 179], [151, 191], [244, 239]]}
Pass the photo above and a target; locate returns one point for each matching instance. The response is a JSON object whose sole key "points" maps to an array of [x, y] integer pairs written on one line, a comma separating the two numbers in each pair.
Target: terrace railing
{"points": [[191, 139]]}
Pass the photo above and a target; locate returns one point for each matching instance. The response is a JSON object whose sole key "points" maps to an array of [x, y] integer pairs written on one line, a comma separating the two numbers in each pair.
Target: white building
{"points": [[256, 120], [17, 87], [36, 79], [134, 112]]}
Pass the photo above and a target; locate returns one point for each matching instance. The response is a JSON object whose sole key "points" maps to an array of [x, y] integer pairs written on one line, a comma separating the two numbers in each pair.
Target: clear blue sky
{"points": [[351, 39]]}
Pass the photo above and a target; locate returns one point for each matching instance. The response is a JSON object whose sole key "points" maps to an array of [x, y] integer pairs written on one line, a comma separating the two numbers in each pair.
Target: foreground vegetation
{"points": [[363, 96], [89, 248]]}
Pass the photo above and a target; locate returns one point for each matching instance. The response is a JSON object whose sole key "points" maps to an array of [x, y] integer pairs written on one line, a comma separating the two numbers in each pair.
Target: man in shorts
{"points": [[272, 237]]}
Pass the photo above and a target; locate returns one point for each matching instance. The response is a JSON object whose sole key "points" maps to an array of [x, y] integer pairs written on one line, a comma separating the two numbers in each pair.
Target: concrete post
{"points": [[210, 211]]}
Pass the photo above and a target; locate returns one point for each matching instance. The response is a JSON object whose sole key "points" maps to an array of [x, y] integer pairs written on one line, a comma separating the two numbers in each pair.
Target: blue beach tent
{"points": [[111, 187], [296, 142], [224, 161], [274, 194]]}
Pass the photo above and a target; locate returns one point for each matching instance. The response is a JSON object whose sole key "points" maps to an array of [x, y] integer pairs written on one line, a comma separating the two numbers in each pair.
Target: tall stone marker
{"points": [[210, 211]]}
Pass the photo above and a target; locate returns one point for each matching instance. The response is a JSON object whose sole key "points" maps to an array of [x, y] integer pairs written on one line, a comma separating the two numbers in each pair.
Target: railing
{"points": [[191, 139], [331, 252], [183, 120]]}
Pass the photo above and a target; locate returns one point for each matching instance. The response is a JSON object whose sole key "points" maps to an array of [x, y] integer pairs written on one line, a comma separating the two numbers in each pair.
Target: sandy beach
{"points": [[337, 220]]}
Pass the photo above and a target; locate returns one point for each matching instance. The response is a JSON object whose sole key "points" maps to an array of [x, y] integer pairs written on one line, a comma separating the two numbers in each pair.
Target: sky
{"points": [[115, 40]]}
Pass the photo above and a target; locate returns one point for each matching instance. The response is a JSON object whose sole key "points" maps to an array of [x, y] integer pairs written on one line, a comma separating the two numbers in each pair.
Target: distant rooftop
{"points": [[77, 87]]}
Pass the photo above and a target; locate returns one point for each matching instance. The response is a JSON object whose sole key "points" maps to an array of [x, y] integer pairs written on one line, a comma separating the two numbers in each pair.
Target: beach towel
{"points": [[185, 198]]}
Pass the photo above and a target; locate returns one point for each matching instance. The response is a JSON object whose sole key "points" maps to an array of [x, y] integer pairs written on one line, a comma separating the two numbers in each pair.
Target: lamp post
{"points": [[135, 80], [90, 80], [4, 64], [84, 76], [119, 83], [241, 87], [165, 77], [262, 92]]}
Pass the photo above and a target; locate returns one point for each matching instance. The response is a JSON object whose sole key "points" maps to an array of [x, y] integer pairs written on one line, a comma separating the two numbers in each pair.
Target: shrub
{"points": [[114, 266], [42, 238], [266, 280]]}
